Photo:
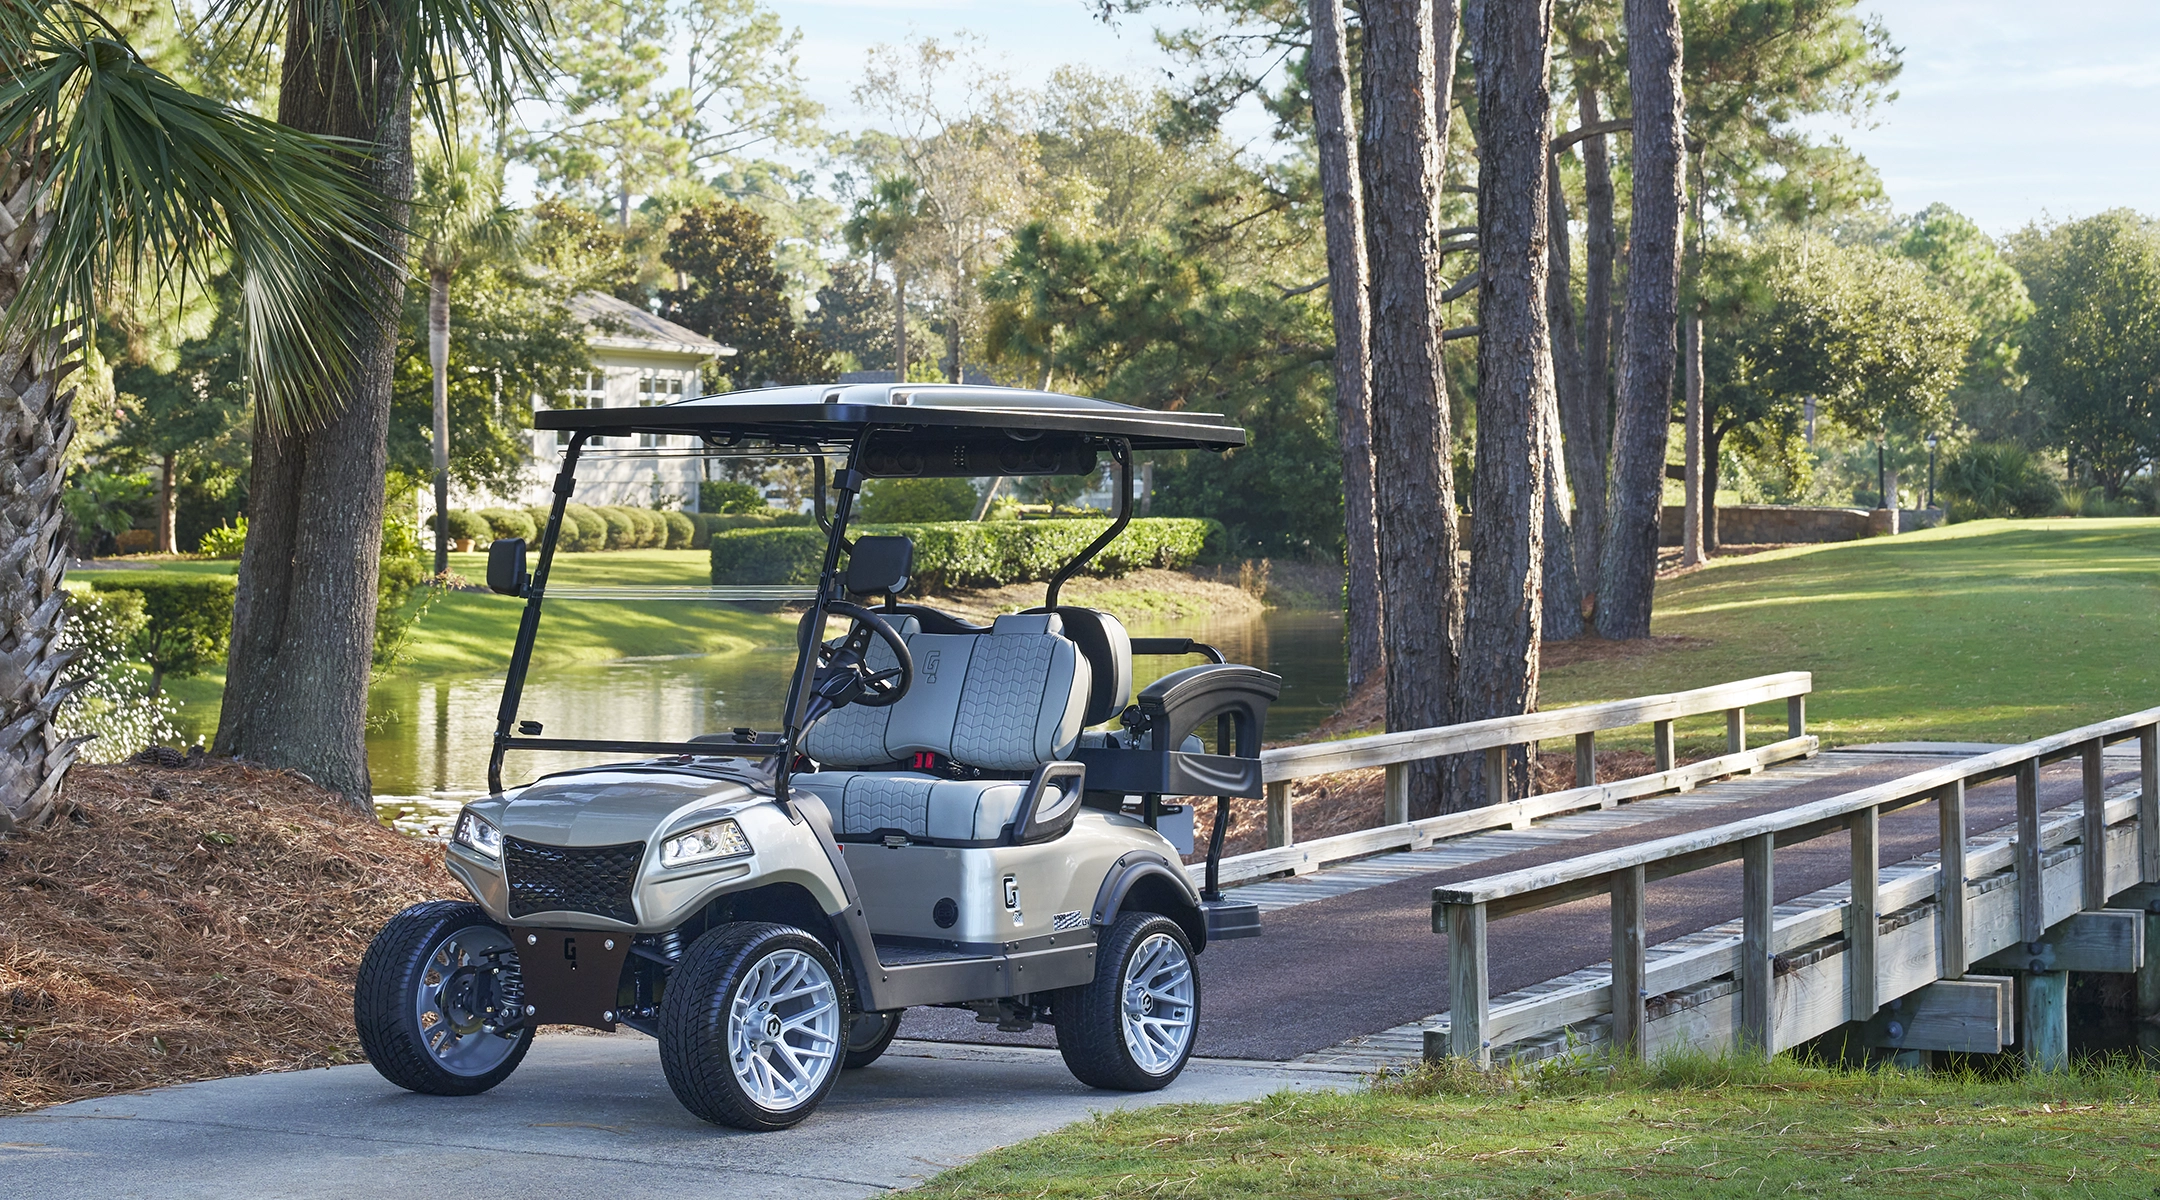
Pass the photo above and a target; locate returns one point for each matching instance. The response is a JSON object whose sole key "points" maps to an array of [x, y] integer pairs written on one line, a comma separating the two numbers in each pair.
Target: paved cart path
{"points": [[1365, 959], [585, 1116]]}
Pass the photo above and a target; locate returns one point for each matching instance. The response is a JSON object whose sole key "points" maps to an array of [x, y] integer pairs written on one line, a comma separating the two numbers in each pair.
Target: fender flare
{"points": [[1138, 865]]}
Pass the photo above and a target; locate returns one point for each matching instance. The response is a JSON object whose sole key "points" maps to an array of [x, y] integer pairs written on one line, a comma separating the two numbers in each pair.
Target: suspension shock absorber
{"points": [[671, 945]]}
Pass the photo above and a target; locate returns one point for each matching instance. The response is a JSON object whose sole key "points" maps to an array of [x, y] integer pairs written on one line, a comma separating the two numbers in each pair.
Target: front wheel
{"points": [[750, 1029], [434, 998], [1132, 1029]]}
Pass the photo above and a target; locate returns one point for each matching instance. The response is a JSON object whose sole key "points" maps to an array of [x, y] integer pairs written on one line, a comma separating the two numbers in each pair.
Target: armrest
{"points": [[1177, 704], [1175, 647], [1044, 814]]}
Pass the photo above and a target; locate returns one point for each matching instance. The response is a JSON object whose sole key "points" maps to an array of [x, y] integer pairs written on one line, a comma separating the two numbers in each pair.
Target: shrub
{"points": [[465, 526], [728, 496], [508, 523], [187, 620], [226, 541], [681, 530], [114, 707], [1998, 479], [621, 529], [651, 528], [889, 501], [967, 553]]}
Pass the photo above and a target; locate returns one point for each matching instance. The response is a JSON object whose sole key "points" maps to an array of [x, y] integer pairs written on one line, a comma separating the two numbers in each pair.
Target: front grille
{"points": [[586, 879]]}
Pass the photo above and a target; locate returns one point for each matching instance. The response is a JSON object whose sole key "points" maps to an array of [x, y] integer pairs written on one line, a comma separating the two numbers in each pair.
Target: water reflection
{"points": [[429, 738]]}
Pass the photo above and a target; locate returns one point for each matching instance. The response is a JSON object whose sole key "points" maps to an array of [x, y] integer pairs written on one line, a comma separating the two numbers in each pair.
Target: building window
{"points": [[591, 394], [658, 387]]}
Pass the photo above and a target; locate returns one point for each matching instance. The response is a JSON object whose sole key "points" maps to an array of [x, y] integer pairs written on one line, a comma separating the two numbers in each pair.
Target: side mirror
{"points": [[506, 566]]}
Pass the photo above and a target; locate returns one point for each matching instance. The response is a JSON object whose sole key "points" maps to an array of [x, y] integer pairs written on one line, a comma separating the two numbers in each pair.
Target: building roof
{"points": [[621, 325]]}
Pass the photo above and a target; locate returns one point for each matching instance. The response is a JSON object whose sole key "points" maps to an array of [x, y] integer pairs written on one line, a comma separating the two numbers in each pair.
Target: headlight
{"points": [[721, 839], [478, 834]]}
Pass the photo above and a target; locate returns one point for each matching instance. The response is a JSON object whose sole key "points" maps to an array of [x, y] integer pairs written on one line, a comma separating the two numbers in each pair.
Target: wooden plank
{"points": [[1496, 777], [2044, 1026], [1586, 759], [1377, 750], [2110, 940], [1661, 734], [2094, 811], [1735, 730], [1862, 917], [1469, 984], [1965, 1015], [2032, 915], [1795, 716], [1630, 962], [1395, 795], [1950, 890], [1280, 832], [1756, 902], [2148, 818]]}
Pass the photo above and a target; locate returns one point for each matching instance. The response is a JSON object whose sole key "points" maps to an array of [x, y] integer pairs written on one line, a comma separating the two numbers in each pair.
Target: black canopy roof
{"points": [[824, 414]]}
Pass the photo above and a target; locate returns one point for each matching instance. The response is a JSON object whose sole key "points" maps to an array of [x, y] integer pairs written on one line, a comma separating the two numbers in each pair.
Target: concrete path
{"points": [[584, 1116]]}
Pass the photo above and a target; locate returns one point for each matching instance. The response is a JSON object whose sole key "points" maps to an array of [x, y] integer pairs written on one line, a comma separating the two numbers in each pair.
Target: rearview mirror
{"points": [[506, 566]]}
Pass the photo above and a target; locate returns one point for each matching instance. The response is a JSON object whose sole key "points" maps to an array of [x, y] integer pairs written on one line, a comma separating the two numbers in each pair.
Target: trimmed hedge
{"points": [[508, 523], [952, 554], [680, 529], [469, 526]]}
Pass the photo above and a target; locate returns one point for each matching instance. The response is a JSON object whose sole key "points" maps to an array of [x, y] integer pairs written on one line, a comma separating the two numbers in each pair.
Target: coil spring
{"points": [[510, 988], [671, 945]]}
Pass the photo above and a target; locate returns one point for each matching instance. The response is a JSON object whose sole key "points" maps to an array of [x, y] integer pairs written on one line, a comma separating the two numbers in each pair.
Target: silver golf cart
{"points": [[973, 816]]}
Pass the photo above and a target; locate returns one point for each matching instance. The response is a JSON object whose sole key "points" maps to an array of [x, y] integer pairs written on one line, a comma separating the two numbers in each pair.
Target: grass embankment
{"points": [[190, 923], [1992, 631], [1685, 1128]]}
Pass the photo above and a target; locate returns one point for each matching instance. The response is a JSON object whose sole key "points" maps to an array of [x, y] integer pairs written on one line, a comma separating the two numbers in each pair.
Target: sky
{"points": [[2008, 110]]}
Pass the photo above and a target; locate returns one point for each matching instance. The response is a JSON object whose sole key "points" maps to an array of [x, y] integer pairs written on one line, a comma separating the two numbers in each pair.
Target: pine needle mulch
{"points": [[190, 923]]}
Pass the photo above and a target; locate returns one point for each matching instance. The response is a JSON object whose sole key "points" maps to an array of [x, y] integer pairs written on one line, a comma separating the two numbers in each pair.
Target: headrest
{"points": [[1035, 624], [880, 566]]}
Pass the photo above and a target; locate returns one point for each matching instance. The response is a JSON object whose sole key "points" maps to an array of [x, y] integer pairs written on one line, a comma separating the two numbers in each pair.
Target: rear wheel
{"points": [[867, 1037], [1132, 1029], [750, 1029], [435, 990]]}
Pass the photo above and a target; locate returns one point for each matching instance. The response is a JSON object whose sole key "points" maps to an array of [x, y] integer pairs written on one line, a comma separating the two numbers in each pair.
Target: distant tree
{"points": [[854, 315], [1966, 265], [733, 294], [579, 251], [890, 225], [180, 414], [2093, 344]]}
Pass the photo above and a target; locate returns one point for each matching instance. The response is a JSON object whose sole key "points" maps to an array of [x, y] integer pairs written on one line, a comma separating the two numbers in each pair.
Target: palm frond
{"points": [[146, 182]]}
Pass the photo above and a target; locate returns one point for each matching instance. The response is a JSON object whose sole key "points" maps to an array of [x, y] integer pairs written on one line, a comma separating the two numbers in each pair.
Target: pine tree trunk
{"points": [[1563, 618], [1692, 497], [439, 361], [899, 288], [1503, 616], [36, 426], [1343, 211], [1713, 440], [1590, 474], [1413, 483], [168, 537], [1628, 572], [1574, 447], [304, 611]]}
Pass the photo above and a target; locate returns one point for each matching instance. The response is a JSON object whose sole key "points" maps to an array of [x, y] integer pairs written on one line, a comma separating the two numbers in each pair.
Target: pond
{"points": [[428, 738]]}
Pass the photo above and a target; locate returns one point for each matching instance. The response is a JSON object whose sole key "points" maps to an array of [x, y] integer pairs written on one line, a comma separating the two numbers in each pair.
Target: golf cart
{"points": [[972, 816]]}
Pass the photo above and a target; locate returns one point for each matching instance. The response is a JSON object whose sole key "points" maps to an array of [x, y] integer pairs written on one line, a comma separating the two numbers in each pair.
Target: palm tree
{"points": [[117, 177], [458, 202], [887, 223]]}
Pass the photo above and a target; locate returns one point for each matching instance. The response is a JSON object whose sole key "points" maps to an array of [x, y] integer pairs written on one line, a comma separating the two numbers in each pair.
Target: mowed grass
{"points": [[1991, 631], [1685, 1128]]}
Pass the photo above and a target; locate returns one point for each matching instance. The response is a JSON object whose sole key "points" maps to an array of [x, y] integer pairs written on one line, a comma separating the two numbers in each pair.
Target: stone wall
{"points": [[1770, 524]]}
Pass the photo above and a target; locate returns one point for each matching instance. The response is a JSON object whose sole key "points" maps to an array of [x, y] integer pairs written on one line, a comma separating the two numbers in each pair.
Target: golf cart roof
{"points": [[825, 414]]}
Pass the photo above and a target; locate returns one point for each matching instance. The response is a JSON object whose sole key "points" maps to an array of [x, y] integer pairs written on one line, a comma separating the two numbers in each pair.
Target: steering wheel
{"points": [[843, 667]]}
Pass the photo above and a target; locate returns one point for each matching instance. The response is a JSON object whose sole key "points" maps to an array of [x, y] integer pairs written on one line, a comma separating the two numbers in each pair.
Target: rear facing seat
{"points": [[1005, 701]]}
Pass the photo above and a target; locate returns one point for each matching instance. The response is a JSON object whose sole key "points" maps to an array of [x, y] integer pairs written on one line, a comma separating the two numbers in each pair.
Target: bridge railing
{"points": [[1995, 897], [1582, 723]]}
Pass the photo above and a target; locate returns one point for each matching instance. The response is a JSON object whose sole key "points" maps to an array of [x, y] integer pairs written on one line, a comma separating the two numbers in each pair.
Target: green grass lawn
{"points": [[1681, 1130], [1995, 631]]}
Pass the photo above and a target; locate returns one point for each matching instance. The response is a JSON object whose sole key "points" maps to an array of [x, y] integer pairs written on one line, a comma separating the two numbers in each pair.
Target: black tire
{"points": [[1091, 1018], [868, 1034], [697, 1020], [388, 1001]]}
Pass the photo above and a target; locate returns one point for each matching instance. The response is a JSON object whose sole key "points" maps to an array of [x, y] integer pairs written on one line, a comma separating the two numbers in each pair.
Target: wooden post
{"points": [[2094, 811], [1395, 795], [1950, 882], [1496, 775], [1756, 901], [1630, 964], [2032, 919], [1585, 760], [1795, 716], [2149, 804], [1735, 730], [1279, 832], [2044, 1019], [1661, 733], [1861, 914], [1470, 999], [2148, 991]]}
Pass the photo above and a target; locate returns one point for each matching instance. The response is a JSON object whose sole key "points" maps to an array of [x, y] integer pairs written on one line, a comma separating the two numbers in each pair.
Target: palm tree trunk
{"points": [[304, 613], [899, 336], [168, 538], [1628, 574], [1409, 62], [438, 346], [1343, 212], [1504, 617], [36, 426]]}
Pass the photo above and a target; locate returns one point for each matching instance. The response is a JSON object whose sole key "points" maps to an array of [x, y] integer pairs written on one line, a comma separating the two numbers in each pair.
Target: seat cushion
{"points": [[856, 734], [868, 805]]}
